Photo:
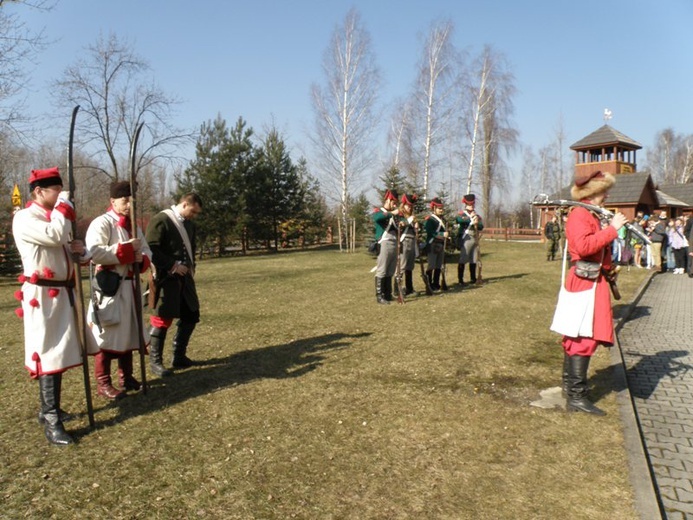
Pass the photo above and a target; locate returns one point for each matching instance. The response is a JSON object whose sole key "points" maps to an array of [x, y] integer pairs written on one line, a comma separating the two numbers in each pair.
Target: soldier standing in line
{"points": [[43, 234], [114, 251], [470, 223], [408, 240], [552, 233], [386, 220], [436, 235]]}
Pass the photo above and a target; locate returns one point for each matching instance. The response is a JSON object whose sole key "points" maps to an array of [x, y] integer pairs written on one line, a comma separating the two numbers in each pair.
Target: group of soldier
{"points": [[117, 251], [397, 230]]}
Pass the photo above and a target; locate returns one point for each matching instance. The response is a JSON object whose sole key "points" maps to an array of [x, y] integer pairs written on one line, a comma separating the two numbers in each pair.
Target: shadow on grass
{"points": [[643, 377], [289, 360]]}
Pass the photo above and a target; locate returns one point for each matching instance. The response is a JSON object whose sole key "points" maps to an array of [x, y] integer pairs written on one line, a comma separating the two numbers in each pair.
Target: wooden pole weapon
{"points": [[78, 307], [136, 265]]}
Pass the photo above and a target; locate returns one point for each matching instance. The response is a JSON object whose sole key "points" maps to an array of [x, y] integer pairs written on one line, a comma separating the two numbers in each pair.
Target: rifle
{"points": [[443, 283], [479, 279], [603, 214], [136, 265], [427, 282], [80, 317], [398, 270]]}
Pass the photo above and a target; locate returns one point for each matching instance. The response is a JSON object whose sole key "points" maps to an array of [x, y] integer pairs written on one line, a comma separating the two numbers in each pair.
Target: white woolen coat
{"points": [[51, 335], [102, 240]]}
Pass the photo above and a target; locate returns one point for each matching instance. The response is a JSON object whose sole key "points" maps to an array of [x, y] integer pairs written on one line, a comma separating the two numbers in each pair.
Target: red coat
{"points": [[588, 241]]}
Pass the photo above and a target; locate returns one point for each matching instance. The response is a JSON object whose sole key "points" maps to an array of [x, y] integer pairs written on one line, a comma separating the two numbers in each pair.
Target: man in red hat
{"points": [[43, 234], [408, 240], [436, 235], [470, 223], [113, 316], [386, 220]]}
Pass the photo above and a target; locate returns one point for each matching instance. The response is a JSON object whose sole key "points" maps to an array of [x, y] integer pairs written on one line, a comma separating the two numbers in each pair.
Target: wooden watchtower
{"points": [[605, 149]]}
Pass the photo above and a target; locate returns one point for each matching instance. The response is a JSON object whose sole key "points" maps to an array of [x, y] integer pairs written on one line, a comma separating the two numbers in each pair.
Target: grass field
{"points": [[314, 402]]}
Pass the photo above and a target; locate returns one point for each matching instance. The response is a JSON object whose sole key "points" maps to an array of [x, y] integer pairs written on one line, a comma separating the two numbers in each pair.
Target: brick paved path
{"points": [[656, 343]]}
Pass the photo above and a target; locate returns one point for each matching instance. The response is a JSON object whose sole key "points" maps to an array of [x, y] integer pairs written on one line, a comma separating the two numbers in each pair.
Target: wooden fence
{"points": [[518, 234]]}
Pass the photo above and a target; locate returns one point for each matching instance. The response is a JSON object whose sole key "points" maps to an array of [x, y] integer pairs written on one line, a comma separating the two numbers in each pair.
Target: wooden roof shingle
{"points": [[606, 136]]}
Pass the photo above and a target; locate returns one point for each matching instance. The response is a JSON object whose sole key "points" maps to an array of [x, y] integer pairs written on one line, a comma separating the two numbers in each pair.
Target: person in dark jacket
{"points": [[171, 238]]}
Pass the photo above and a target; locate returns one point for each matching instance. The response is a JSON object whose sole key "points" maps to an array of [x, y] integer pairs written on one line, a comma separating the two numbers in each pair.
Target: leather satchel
{"points": [[587, 270]]}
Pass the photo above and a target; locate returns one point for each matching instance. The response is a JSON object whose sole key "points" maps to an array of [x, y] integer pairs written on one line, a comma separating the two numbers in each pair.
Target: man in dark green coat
{"points": [[171, 237]]}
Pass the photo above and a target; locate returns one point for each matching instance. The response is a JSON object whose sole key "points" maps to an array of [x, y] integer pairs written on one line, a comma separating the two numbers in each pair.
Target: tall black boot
{"points": [[156, 350], [472, 273], [436, 280], [180, 345], [408, 282], [460, 274], [387, 288], [566, 374], [429, 275], [379, 294], [62, 414], [577, 386], [49, 388]]}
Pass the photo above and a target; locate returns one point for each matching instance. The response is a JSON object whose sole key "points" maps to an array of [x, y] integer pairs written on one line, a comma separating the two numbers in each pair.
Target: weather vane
{"points": [[607, 115]]}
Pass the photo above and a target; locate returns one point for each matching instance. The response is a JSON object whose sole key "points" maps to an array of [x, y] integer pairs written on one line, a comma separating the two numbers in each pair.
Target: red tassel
{"points": [[35, 356], [34, 302], [21, 278], [19, 312], [53, 292], [19, 295], [47, 273], [34, 278]]}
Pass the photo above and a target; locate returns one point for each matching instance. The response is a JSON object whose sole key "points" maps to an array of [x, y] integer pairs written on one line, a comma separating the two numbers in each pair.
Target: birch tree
{"points": [[495, 108], [434, 94], [670, 160], [344, 109]]}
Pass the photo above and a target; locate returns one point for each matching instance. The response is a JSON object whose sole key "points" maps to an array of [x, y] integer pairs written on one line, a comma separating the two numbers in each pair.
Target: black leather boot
{"points": [[180, 345], [387, 288], [472, 273], [62, 414], [379, 294], [566, 375], [49, 388], [577, 386], [408, 282], [156, 350], [436, 280], [460, 274], [429, 275]]}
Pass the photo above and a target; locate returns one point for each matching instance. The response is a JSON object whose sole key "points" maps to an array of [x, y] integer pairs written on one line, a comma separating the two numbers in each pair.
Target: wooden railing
{"points": [[522, 234]]}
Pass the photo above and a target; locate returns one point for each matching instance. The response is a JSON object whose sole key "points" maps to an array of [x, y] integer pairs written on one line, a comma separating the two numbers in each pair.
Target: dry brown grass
{"points": [[314, 402]]}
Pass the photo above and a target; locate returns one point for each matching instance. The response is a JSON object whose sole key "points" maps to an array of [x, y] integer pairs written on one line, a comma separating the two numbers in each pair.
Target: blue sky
{"points": [[257, 59]]}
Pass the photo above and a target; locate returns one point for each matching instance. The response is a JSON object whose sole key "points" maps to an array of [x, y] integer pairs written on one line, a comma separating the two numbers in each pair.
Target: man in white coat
{"points": [[113, 310], [42, 232]]}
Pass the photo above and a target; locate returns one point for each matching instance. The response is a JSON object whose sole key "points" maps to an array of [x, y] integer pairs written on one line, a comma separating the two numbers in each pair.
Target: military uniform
{"points": [[42, 232], [113, 318], [410, 249], [468, 238], [386, 220], [436, 234], [552, 233], [172, 239]]}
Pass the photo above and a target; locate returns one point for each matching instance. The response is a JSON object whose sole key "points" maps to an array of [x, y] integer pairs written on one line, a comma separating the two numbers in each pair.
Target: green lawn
{"points": [[314, 402]]}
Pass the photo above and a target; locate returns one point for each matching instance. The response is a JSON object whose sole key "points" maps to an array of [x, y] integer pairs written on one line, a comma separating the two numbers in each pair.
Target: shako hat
{"points": [[436, 203], [469, 199], [409, 198], [391, 195]]}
